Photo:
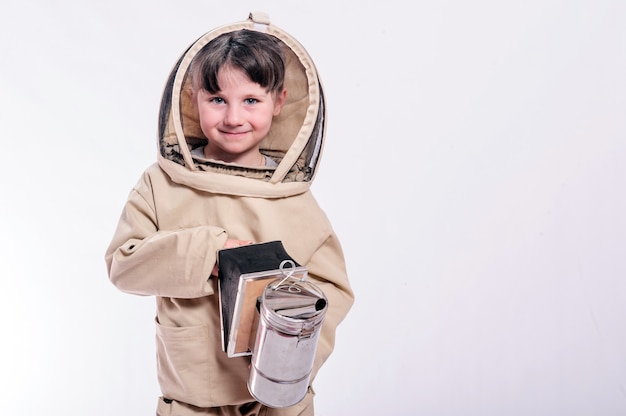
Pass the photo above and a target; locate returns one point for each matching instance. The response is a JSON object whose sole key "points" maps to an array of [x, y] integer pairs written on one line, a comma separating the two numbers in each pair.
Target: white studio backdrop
{"points": [[474, 170]]}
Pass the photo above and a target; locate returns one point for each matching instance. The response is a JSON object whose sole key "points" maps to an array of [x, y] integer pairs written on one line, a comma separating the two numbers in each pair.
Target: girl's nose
{"points": [[233, 116]]}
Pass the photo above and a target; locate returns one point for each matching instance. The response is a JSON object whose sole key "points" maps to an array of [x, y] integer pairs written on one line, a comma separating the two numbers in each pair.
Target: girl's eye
{"points": [[251, 101], [217, 100]]}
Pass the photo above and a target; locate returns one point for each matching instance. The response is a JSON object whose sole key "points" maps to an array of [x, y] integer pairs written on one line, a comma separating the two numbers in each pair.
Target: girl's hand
{"points": [[236, 243]]}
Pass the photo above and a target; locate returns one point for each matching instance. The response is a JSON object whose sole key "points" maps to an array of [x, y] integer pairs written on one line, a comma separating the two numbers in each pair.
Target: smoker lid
{"points": [[294, 299]]}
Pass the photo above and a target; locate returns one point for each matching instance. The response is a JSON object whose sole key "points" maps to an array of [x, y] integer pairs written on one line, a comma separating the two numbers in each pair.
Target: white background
{"points": [[474, 171]]}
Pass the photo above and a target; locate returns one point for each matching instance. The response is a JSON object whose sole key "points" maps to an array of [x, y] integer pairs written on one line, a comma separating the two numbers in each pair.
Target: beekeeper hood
{"points": [[294, 141]]}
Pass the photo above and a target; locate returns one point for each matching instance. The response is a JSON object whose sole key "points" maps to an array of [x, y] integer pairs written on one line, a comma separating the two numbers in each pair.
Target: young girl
{"points": [[241, 130]]}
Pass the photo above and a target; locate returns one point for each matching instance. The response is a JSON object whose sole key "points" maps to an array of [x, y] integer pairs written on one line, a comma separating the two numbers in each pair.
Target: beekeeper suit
{"points": [[183, 209]]}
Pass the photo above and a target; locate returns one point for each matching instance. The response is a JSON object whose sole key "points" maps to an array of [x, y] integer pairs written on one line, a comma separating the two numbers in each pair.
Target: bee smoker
{"points": [[291, 315]]}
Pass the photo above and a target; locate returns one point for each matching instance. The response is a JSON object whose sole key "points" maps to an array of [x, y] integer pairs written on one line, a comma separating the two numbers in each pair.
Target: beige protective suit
{"points": [[182, 210]]}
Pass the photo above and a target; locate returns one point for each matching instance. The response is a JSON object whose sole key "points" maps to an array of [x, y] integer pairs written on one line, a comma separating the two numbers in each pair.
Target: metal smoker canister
{"points": [[291, 315]]}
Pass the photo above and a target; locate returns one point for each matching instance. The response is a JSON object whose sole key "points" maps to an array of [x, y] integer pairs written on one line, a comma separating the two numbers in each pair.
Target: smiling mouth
{"points": [[234, 133]]}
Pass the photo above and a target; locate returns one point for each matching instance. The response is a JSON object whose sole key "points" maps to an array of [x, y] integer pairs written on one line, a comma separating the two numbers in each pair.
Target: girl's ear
{"points": [[192, 96], [279, 101]]}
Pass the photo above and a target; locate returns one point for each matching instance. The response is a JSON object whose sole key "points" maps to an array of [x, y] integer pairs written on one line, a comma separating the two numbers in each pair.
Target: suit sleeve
{"points": [[144, 260], [327, 270]]}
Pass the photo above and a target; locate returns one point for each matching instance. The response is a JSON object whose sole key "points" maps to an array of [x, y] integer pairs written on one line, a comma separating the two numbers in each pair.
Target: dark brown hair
{"points": [[257, 54]]}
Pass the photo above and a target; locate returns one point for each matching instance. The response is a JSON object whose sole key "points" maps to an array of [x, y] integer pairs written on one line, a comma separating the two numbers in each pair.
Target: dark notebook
{"points": [[244, 273]]}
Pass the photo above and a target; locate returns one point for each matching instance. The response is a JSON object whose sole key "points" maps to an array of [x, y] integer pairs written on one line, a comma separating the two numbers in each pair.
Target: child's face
{"points": [[237, 118]]}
